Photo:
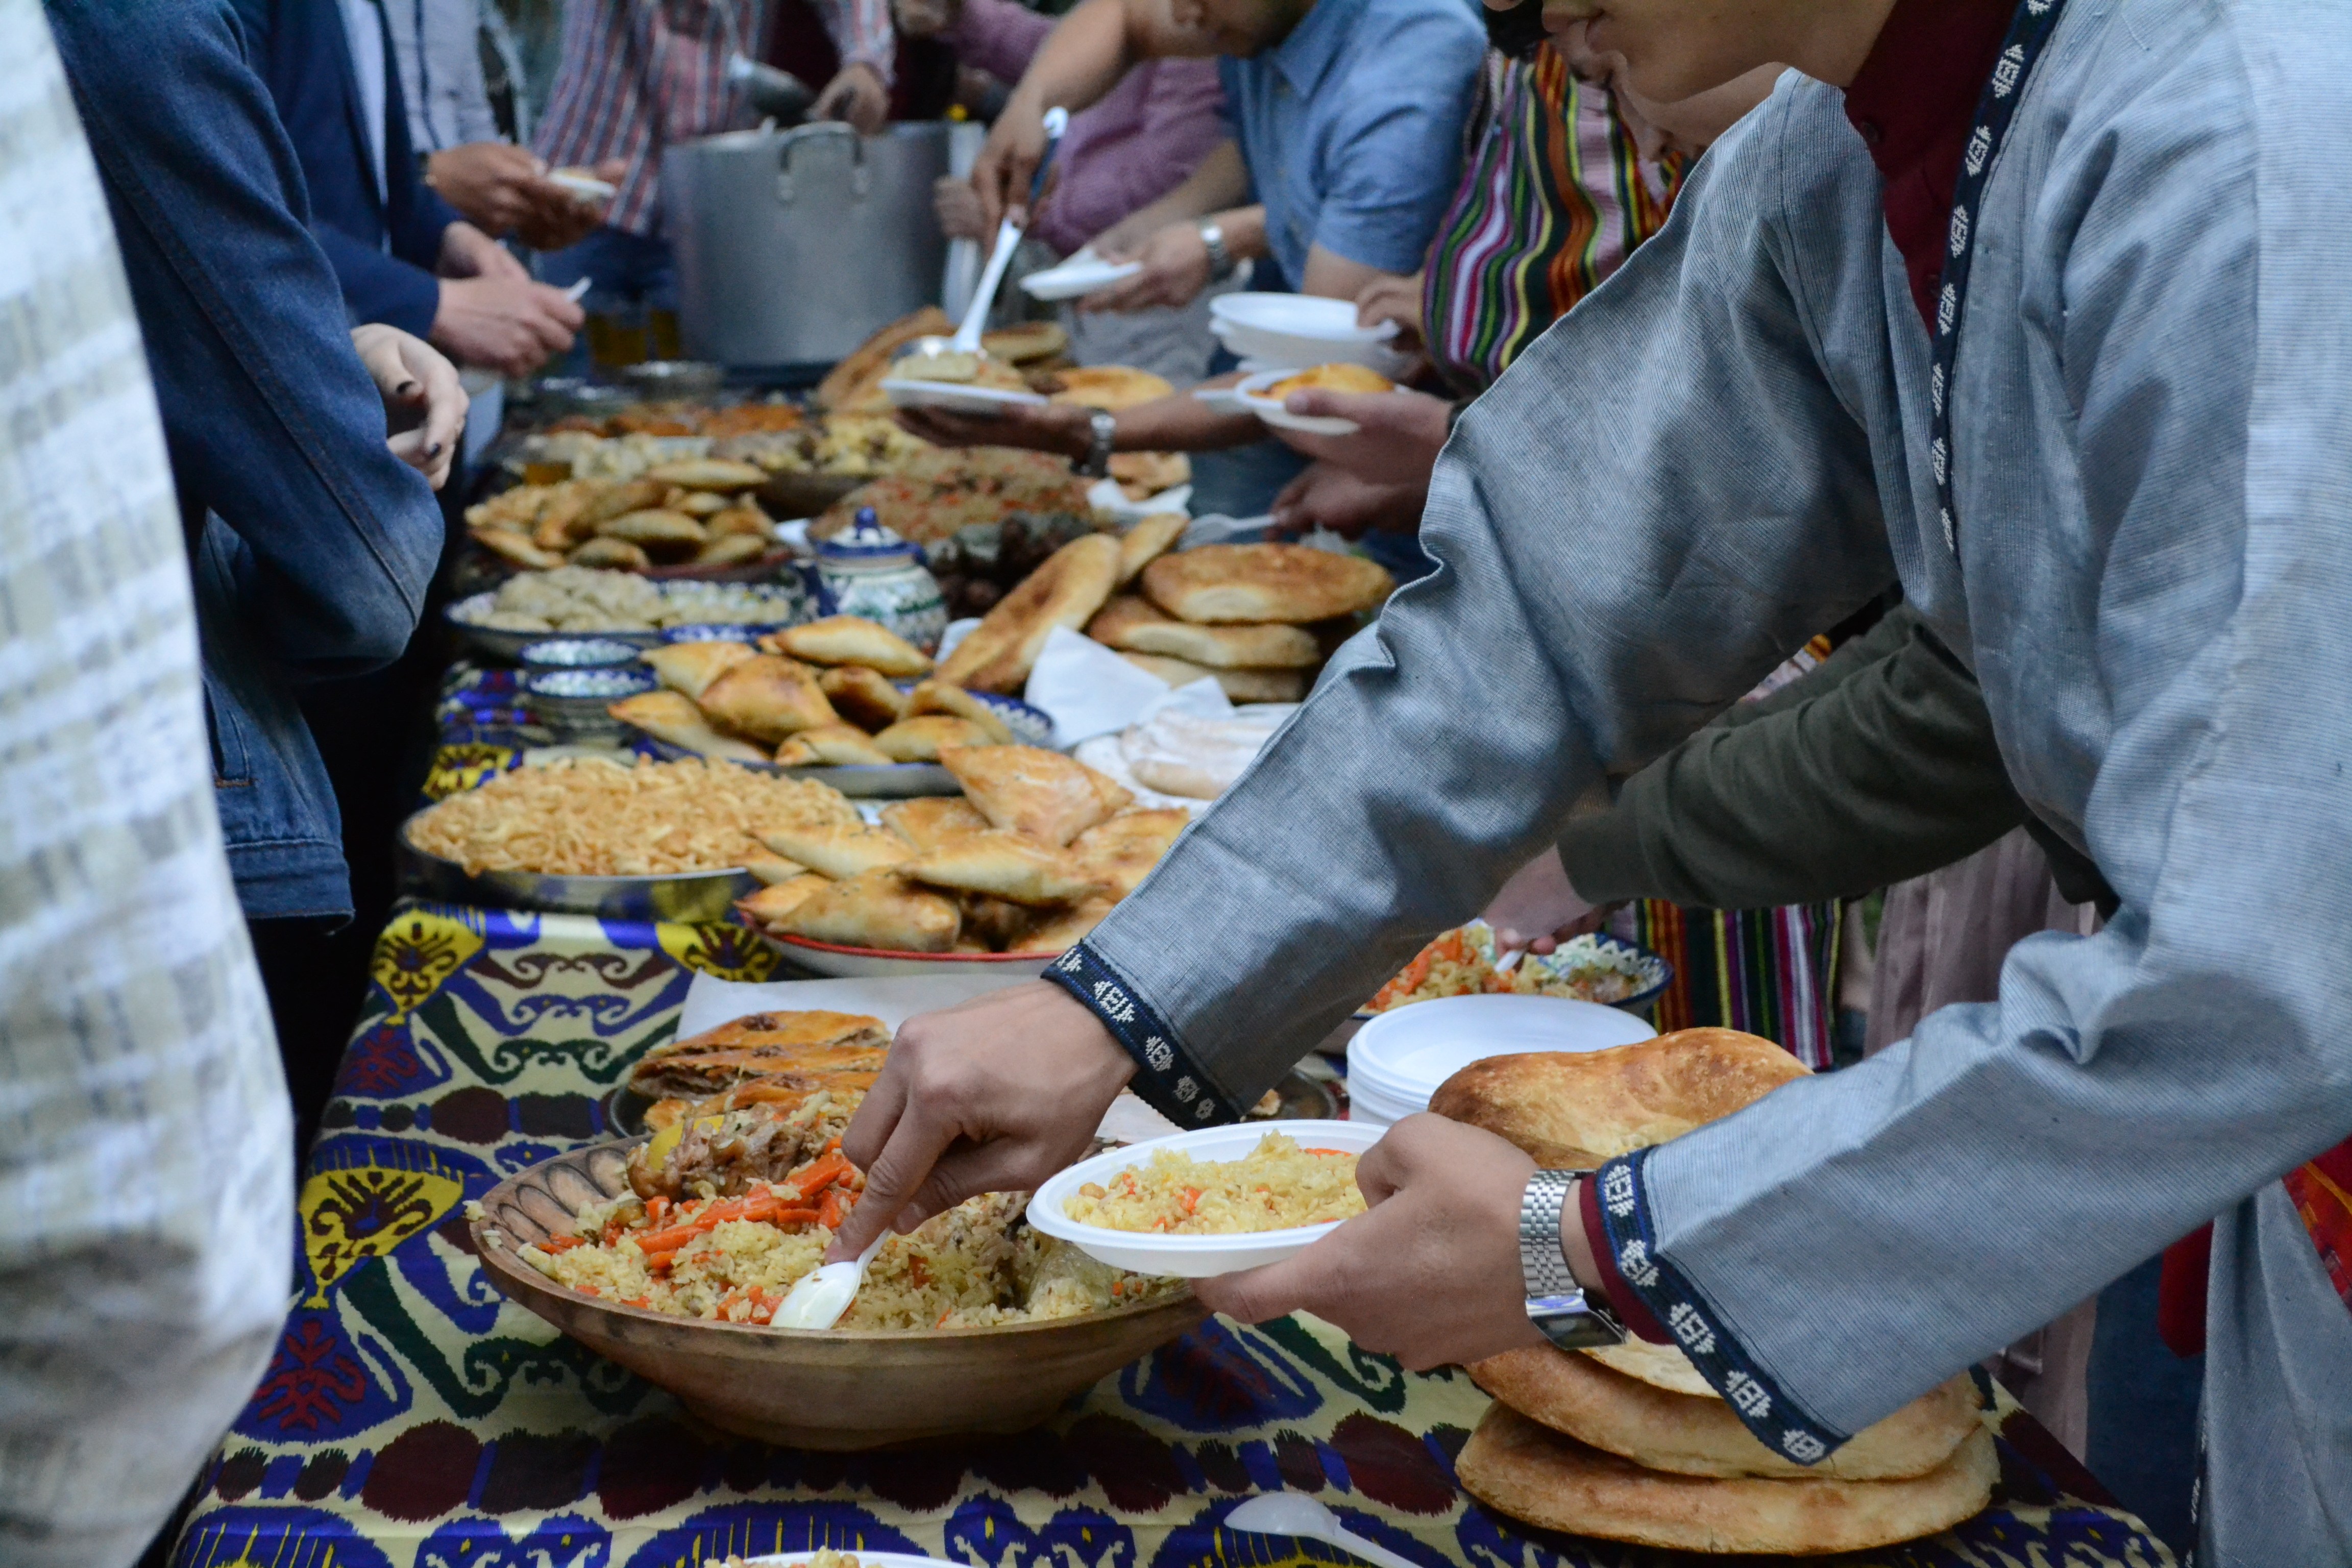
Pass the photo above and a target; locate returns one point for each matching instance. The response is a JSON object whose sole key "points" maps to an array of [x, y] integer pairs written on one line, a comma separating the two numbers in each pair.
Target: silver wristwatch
{"points": [[1556, 1305], [1220, 261], [1102, 430]]}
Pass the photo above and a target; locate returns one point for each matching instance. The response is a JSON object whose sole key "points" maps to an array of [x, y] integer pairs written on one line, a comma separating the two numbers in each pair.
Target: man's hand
{"points": [[1329, 497], [467, 252], [494, 184], [994, 1096], [856, 94], [1054, 428], [956, 205], [1538, 907], [560, 219], [1016, 145], [1431, 1274], [1398, 442], [423, 403], [510, 324], [1394, 299], [1175, 269], [926, 19]]}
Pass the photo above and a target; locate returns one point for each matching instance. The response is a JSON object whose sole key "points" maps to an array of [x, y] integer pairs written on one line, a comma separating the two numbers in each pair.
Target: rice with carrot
{"points": [[733, 1259], [1276, 1186]]}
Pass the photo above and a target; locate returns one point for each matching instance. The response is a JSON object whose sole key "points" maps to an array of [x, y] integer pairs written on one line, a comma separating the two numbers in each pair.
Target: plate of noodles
{"points": [[1210, 1202]]}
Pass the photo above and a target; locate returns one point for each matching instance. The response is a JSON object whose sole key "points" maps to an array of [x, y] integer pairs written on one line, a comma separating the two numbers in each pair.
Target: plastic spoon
{"points": [[1008, 240], [1287, 1514], [823, 1294]]}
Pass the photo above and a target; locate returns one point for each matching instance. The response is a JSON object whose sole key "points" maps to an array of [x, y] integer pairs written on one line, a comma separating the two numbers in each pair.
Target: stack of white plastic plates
{"points": [[1300, 331], [1396, 1062]]}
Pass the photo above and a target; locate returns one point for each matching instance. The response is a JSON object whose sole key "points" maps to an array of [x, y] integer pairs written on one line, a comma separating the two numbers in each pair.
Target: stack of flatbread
{"points": [[1246, 615], [1030, 859], [822, 695], [1631, 1443]]}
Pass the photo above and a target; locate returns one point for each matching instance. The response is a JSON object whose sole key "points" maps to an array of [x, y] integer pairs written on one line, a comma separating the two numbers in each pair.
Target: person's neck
{"points": [[1828, 39]]}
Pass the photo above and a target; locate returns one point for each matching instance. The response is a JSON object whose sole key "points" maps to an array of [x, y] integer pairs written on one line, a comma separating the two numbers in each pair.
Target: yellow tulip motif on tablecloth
{"points": [[363, 1211], [417, 955], [466, 765], [721, 951]]}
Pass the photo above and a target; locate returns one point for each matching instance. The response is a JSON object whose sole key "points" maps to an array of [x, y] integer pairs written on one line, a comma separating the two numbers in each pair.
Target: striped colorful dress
{"points": [[1554, 196]]}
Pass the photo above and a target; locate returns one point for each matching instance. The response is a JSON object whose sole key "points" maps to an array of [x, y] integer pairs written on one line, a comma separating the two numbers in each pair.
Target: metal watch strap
{"points": [[1220, 261], [1556, 1305], [1102, 430]]}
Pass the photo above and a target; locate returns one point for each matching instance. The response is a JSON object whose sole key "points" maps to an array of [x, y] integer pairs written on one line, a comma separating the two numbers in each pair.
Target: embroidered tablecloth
{"points": [[413, 1418]]}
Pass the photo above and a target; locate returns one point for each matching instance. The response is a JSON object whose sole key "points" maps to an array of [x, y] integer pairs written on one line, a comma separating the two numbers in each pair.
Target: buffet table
{"points": [[413, 1418]]}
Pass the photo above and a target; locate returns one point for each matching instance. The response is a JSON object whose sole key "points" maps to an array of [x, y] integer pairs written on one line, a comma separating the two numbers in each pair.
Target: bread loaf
{"points": [[1251, 583]]}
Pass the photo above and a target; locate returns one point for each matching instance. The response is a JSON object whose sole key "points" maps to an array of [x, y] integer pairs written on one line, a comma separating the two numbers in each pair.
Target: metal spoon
{"points": [[1287, 1514], [820, 1296]]}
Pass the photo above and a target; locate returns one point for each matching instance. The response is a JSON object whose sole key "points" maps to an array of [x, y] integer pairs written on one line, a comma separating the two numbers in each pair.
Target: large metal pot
{"points": [[795, 246]]}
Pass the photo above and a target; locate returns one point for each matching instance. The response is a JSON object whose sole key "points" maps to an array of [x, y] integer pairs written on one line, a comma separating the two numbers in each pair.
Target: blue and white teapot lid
{"points": [[864, 542]]}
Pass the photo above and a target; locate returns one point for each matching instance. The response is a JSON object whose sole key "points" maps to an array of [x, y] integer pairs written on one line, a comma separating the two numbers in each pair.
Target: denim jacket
{"points": [[311, 545]]}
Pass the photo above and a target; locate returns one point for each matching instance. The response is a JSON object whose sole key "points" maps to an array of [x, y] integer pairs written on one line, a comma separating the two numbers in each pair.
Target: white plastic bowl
{"points": [[1300, 331], [1399, 1059], [1190, 1257]]}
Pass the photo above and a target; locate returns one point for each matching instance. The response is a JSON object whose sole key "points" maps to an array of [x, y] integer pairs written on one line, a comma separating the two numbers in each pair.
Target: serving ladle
{"points": [[1008, 240], [1287, 1514]]}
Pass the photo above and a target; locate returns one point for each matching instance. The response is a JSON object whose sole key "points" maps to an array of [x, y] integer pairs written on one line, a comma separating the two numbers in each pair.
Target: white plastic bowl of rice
{"points": [[1198, 1204]]}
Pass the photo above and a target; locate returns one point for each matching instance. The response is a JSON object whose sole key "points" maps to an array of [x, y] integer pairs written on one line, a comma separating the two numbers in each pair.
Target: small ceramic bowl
{"points": [[719, 632], [573, 702], [578, 653]]}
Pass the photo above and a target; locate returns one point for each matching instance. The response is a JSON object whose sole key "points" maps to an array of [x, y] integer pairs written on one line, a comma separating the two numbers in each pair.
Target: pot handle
{"points": [[861, 179]]}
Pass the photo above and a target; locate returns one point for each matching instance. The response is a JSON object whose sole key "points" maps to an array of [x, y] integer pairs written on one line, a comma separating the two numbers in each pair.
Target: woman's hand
{"points": [[1539, 909], [957, 206], [1053, 427], [1430, 1273], [422, 399], [1394, 299], [1329, 497], [1398, 439]]}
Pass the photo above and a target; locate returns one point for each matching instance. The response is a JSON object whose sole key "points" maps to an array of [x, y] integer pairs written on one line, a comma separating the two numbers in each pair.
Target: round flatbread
{"points": [[1110, 387], [1525, 1469], [1660, 1366], [1255, 583], [1693, 1437]]}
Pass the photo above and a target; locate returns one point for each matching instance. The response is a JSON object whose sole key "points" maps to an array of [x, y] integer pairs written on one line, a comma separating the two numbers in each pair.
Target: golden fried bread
{"points": [[934, 820], [939, 696], [1525, 1469], [1331, 378], [510, 544], [1066, 591], [611, 555], [611, 500], [655, 530], [1027, 790], [735, 550], [839, 850], [757, 1043], [1132, 624], [708, 474], [1240, 685], [850, 639], [920, 740], [691, 666], [1150, 537], [773, 903], [1028, 341], [1120, 853], [878, 908], [1142, 475], [1574, 1110], [1056, 929], [1252, 583], [767, 698], [1705, 1437], [864, 697], [1121, 615], [832, 745], [672, 716], [559, 524], [1002, 866], [748, 520], [702, 505], [1110, 387]]}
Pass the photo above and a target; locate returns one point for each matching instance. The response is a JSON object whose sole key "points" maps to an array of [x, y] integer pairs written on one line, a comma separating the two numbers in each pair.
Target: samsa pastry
{"points": [[700, 505], [865, 698], [931, 821], [770, 698], [735, 550], [770, 905], [691, 666], [878, 908], [611, 556], [938, 697], [832, 745], [1057, 931], [612, 501], [509, 544], [657, 532], [840, 850], [993, 925], [672, 717], [851, 640], [1002, 866], [707, 474], [922, 740], [1120, 853], [1027, 790]]}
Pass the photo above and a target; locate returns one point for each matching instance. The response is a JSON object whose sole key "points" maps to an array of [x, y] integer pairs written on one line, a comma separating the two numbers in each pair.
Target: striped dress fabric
{"points": [[1555, 194], [638, 75]]}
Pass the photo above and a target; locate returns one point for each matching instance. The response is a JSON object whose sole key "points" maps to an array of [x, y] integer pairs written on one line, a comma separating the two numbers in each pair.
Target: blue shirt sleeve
{"points": [[1395, 148]]}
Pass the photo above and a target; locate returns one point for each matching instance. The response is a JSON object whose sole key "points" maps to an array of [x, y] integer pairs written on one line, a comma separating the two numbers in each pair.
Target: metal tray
{"points": [[694, 898]]}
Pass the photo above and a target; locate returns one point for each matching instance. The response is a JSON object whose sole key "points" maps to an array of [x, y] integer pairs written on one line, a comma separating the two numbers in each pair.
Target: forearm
{"points": [[1000, 37], [1082, 59], [1183, 424]]}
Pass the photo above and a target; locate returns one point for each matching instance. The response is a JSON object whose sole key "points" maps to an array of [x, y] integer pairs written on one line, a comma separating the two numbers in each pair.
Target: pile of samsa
{"points": [[1029, 861], [697, 511], [821, 695], [1629, 1442]]}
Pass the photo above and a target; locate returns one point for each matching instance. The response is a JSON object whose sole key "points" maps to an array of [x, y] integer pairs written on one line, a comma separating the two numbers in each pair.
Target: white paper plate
{"points": [[585, 186], [1079, 276], [1297, 316], [1271, 410], [953, 397], [1223, 399], [1401, 1058], [1190, 1257]]}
